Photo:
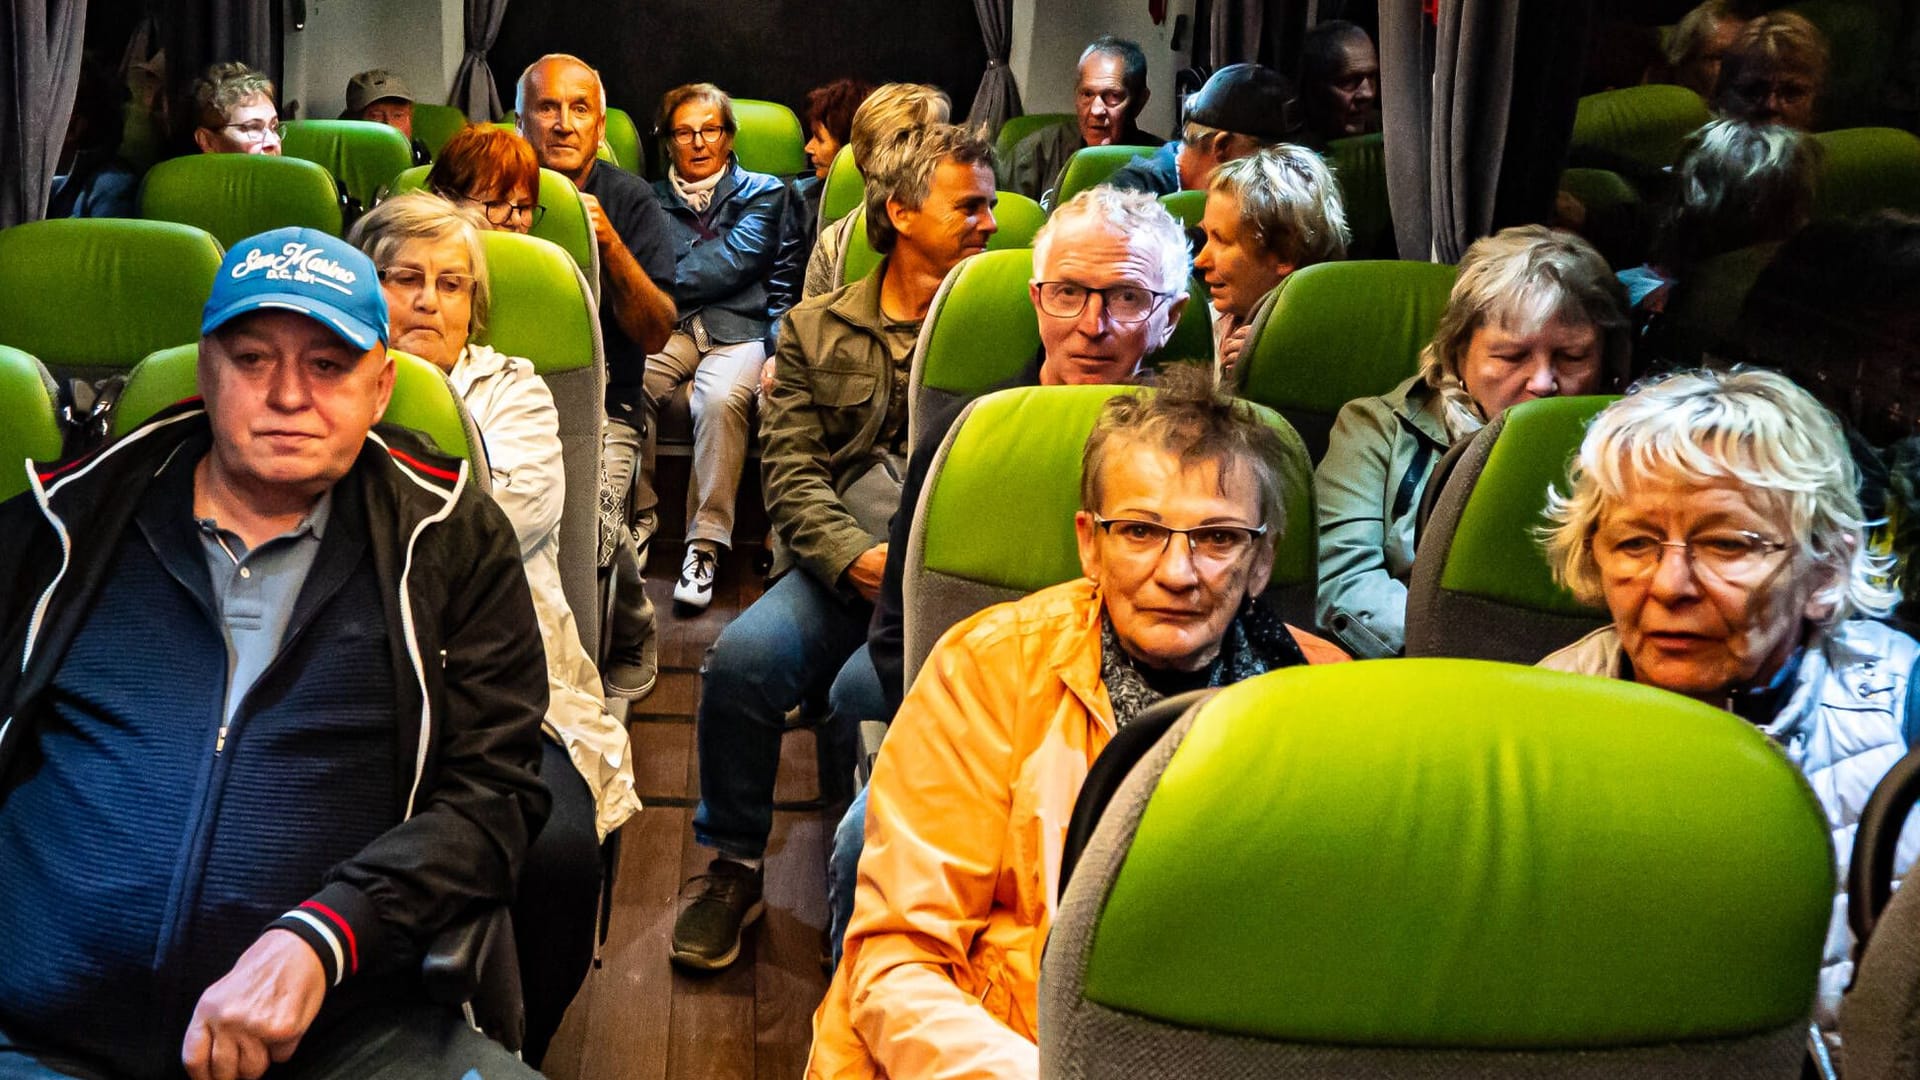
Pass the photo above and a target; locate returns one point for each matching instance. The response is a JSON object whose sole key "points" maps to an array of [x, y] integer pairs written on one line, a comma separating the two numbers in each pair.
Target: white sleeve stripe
{"points": [[327, 935]]}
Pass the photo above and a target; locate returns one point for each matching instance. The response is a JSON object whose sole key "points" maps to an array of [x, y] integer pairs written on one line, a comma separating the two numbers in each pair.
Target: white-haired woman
{"points": [[433, 271], [1715, 516], [1267, 215], [1534, 313]]}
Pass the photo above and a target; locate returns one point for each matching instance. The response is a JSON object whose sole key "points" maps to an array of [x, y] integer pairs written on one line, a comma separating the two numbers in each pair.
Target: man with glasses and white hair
{"points": [[562, 112], [1715, 517], [1181, 504]]}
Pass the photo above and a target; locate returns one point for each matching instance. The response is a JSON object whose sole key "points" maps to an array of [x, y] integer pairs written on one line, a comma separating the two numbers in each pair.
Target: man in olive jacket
{"points": [[834, 435]]}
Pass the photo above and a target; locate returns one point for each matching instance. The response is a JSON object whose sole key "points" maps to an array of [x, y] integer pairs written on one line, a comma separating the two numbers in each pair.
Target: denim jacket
{"points": [[725, 257]]}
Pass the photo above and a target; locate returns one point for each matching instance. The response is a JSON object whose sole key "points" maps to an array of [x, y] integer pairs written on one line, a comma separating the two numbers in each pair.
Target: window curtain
{"points": [[473, 87], [1477, 102], [998, 98], [40, 72]]}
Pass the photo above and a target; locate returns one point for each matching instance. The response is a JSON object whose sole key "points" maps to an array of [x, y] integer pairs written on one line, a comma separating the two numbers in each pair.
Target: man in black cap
{"points": [[1242, 109]]}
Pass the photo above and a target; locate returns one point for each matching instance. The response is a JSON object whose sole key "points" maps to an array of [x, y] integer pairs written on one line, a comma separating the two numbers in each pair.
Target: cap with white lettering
{"points": [[306, 271]]}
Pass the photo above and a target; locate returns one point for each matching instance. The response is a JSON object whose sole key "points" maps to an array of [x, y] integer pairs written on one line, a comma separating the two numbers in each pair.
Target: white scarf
{"points": [[698, 193]]}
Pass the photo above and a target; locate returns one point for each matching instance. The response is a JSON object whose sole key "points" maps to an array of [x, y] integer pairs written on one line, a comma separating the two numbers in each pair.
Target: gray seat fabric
{"points": [[1880, 1016], [579, 397]]}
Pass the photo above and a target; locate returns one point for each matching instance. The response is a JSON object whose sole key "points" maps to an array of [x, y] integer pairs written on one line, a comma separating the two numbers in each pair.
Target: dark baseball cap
{"points": [[1248, 99]]}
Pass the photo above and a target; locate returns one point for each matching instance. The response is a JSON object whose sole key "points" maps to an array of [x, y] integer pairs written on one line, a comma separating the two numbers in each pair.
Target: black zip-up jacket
{"points": [[467, 669]]}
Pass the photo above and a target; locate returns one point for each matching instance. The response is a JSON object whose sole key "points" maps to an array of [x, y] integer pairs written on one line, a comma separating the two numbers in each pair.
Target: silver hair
{"points": [[908, 177], [1519, 279], [1134, 215], [1290, 203], [1755, 429], [423, 215], [520, 84]]}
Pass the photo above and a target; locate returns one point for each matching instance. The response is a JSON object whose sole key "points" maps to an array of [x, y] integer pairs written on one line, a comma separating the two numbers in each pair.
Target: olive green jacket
{"points": [[820, 425]]}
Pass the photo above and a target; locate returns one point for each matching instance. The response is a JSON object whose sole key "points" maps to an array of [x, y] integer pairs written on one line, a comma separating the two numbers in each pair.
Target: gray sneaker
{"points": [[716, 907], [631, 672]]}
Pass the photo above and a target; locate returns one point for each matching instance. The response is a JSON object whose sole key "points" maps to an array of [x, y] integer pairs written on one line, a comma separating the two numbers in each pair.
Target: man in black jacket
{"points": [[272, 707]]}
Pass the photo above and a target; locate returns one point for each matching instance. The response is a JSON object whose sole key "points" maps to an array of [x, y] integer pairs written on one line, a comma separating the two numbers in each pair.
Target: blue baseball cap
{"points": [[322, 277]]}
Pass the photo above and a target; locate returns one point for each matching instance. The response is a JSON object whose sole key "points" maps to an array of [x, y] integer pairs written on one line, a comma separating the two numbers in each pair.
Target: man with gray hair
{"points": [[1109, 92], [834, 434]]}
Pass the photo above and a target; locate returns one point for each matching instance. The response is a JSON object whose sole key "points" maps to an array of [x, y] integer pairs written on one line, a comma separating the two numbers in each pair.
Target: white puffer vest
{"points": [[1842, 726]]}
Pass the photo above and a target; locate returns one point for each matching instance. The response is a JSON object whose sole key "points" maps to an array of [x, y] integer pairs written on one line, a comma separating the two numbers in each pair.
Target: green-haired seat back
{"points": [[1867, 169], [31, 431], [1337, 331], [1187, 207], [623, 139], [995, 519], [434, 125], [1017, 216], [423, 401], [1017, 128], [234, 196], [1091, 166], [563, 221], [365, 156], [844, 190], [1360, 167], [1616, 215], [1482, 586], [769, 139], [542, 310], [1641, 126], [1443, 869], [91, 296]]}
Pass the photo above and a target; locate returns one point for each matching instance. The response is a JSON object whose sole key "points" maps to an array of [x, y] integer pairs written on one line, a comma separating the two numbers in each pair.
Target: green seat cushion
{"points": [[1867, 169], [365, 156], [769, 139], [984, 330], [1091, 166], [539, 310], [1187, 207], [1343, 330], [1462, 854], [434, 125], [623, 138], [423, 400], [1496, 552], [32, 429], [564, 221], [1642, 124], [1360, 165], [1017, 216], [1017, 128], [844, 188], [234, 196], [1015, 463], [103, 292]]}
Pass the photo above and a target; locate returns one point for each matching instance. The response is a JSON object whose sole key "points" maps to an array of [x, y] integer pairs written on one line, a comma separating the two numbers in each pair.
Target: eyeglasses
{"points": [[708, 135], [1124, 304], [1207, 543], [254, 131], [1733, 556], [501, 211], [447, 285]]}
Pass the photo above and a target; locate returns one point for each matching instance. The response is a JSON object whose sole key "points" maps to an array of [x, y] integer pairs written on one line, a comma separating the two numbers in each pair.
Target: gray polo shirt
{"points": [[254, 591]]}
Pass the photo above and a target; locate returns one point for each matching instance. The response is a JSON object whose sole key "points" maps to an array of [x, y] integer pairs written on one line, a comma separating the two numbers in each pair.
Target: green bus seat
{"points": [[29, 401], [363, 155], [234, 196]]}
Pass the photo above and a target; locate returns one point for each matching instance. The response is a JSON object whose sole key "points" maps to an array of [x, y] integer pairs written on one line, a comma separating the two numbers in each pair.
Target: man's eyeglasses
{"points": [[1208, 543], [1123, 304], [412, 280], [500, 212], [708, 135], [1731, 556], [254, 131]]}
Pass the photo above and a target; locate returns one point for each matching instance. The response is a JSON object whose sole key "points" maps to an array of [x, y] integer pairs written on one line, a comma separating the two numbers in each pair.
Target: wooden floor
{"points": [[637, 1017]]}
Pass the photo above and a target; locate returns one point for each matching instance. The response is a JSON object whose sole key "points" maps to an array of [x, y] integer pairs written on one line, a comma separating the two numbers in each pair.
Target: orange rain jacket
{"points": [[966, 820]]}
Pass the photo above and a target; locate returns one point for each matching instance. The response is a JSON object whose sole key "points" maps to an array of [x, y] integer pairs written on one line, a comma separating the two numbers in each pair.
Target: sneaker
{"points": [[631, 672], [724, 901], [696, 576]]}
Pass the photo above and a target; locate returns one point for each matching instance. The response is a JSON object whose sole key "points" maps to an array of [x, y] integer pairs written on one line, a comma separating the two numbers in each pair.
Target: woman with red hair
{"points": [[494, 171]]}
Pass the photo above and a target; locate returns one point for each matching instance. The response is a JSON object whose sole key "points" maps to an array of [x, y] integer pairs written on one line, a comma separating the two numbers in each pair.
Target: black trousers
{"points": [[553, 916]]}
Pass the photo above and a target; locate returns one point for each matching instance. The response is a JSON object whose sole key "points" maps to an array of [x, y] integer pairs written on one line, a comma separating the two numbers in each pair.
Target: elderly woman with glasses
{"points": [[433, 272], [1715, 517], [1534, 313], [493, 171]]}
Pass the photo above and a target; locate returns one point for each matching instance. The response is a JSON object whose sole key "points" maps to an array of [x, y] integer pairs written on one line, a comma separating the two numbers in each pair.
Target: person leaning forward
{"points": [[277, 715]]}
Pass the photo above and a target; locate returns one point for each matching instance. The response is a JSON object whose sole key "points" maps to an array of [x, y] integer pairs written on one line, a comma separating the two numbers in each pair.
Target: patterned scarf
{"points": [[1256, 642], [695, 193]]}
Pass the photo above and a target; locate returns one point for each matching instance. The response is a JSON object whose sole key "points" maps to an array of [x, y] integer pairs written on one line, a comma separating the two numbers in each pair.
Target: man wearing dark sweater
{"points": [[274, 718]]}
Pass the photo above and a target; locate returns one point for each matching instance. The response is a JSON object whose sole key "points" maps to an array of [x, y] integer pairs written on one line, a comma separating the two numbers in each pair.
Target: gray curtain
{"points": [[1234, 30], [998, 98], [473, 86], [39, 74], [1478, 109]]}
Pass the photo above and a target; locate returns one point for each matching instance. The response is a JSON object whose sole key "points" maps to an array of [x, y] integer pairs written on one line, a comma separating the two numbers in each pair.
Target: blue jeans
{"points": [[787, 647], [843, 872], [420, 1042]]}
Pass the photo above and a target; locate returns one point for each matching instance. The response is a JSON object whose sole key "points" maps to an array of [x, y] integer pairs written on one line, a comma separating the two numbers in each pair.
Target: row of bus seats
{"points": [[768, 140]]}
